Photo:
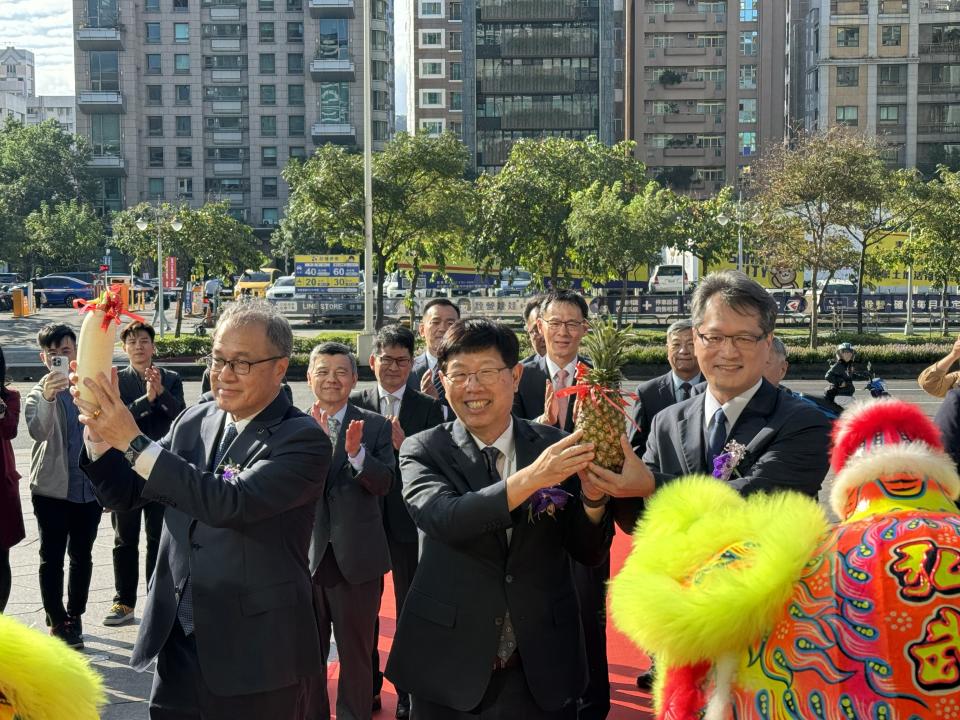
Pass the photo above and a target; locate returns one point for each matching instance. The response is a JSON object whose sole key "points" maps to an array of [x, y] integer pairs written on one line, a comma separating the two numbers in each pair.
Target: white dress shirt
{"points": [[733, 408]]}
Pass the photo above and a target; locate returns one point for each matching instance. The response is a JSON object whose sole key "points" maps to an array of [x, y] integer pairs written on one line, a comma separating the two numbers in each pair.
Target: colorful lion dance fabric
{"points": [[755, 608]]}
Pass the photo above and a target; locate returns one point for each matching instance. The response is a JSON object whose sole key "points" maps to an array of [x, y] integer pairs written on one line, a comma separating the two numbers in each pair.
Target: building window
{"points": [[151, 32], [748, 143], [294, 5], [890, 35], [334, 103], [181, 5], [456, 128], [848, 37], [380, 131], [431, 98], [155, 157], [105, 135], [184, 157], [433, 127], [268, 64], [154, 94], [747, 110], [455, 10], [889, 114], [294, 32], [155, 188], [431, 9], [381, 100], [456, 71], [295, 94], [456, 42], [748, 43], [456, 101], [153, 64], [748, 77], [298, 152], [431, 38], [268, 94], [848, 115], [105, 71], [748, 10], [181, 32], [431, 68], [182, 94], [184, 126], [295, 63], [268, 156], [296, 125], [848, 77], [265, 5], [268, 125], [181, 63], [269, 217], [379, 40], [154, 126], [269, 187], [889, 74], [151, 6], [266, 32], [185, 187]]}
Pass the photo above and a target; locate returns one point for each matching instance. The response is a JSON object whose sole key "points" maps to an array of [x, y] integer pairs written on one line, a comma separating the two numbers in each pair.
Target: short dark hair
{"points": [[334, 348], [532, 304], [136, 326], [440, 301], [394, 335], [476, 335], [54, 334], [740, 293], [571, 297]]}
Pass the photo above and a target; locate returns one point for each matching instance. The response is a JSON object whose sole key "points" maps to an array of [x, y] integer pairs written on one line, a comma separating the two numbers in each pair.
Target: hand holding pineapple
{"points": [[564, 458], [633, 480]]}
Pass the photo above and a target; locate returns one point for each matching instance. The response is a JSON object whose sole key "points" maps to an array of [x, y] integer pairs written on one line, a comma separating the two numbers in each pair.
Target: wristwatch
{"points": [[140, 443], [594, 503]]}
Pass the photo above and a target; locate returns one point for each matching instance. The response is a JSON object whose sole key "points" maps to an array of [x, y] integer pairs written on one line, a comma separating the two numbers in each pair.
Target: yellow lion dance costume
{"points": [[755, 609], [43, 679]]}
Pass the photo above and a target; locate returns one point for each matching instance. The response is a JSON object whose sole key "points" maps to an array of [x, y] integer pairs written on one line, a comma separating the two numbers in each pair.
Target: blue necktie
{"points": [[441, 393], [717, 437], [185, 607]]}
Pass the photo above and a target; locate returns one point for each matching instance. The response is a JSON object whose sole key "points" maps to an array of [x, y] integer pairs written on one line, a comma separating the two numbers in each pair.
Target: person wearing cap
{"points": [[841, 374]]}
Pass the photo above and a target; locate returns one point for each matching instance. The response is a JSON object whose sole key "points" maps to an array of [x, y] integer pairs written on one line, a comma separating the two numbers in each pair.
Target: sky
{"points": [[45, 27]]}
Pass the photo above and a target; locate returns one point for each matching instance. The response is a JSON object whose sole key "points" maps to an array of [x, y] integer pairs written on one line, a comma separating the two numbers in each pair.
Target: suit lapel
{"points": [[471, 462], [371, 400], [748, 428], [340, 451], [407, 409], [243, 451], [667, 396], [691, 435], [209, 432]]}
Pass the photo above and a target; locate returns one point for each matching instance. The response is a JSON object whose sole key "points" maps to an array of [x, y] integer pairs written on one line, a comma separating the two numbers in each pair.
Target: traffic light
{"points": [[104, 268]]}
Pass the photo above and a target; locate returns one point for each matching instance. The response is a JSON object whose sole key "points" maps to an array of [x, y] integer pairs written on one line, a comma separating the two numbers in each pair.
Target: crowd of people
{"points": [[270, 527]]}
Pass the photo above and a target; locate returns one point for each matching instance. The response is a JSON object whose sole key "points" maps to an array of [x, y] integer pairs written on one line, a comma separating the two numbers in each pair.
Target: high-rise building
{"points": [[495, 71], [707, 87], [17, 72], [889, 67], [62, 108], [198, 100]]}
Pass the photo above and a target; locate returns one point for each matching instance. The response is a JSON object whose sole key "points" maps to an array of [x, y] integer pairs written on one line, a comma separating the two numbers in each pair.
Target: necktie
{"points": [[684, 391], [507, 643], [441, 393], [333, 429], [185, 606], [717, 437], [389, 405], [560, 382]]}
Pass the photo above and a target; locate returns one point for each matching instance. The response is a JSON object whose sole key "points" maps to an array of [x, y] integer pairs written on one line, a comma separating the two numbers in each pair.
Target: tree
{"points": [[698, 231], [38, 164], [809, 193], [418, 195], [68, 235], [524, 209], [615, 232], [211, 241]]}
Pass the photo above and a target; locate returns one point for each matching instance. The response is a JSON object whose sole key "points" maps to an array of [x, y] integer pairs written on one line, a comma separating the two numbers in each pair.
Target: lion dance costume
{"points": [[43, 679], [755, 608]]}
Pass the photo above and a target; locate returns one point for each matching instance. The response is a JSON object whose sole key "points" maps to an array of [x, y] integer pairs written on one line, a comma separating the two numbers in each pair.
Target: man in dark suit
{"points": [[229, 616], [438, 315], [409, 412], [349, 553], [531, 312], [490, 627], [155, 397], [675, 386]]}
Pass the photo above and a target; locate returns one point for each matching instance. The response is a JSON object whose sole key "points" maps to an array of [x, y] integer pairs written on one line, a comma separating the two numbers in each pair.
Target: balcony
{"points": [[885, 129], [948, 91], [335, 133], [226, 76], [848, 7], [940, 6], [227, 168], [225, 44], [220, 14], [892, 89], [535, 10], [320, 9], [686, 122], [523, 80], [98, 101], [333, 69], [227, 107], [107, 166], [227, 137], [542, 44], [544, 117], [99, 38], [938, 129], [949, 49], [234, 198]]}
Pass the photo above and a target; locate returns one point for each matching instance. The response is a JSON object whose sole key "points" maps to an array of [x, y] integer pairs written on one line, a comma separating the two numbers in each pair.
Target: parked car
{"points": [[254, 283], [668, 279], [87, 277], [514, 282], [61, 290], [9, 278], [282, 289], [6, 294]]}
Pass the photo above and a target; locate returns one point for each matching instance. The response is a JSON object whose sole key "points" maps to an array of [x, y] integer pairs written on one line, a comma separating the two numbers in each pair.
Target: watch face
{"points": [[140, 443]]}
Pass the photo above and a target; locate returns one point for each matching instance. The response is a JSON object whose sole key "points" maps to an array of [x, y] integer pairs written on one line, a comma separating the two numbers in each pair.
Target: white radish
{"points": [[98, 335]]}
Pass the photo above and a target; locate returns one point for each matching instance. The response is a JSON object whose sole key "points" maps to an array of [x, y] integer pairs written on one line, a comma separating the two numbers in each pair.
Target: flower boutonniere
{"points": [[725, 465], [230, 473], [547, 500]]}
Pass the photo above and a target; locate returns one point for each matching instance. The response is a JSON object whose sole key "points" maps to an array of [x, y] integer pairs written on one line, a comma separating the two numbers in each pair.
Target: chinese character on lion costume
{"points": [[756, 608]]}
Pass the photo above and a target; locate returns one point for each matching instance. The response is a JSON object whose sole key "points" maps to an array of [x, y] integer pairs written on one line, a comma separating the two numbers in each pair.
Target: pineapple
{"points": [[603, 422]]}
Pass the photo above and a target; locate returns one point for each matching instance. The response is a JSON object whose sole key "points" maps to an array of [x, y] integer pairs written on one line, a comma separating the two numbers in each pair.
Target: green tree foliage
{"points": [[420, 202], [698, 232], [64, 236], [524, 209]]}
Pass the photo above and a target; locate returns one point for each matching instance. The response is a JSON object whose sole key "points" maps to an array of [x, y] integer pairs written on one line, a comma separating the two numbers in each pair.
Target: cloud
{"points": [[45, 28]]}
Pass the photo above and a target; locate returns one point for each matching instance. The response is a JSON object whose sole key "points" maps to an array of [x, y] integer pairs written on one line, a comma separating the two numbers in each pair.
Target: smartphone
{"points": [[60, 364]]}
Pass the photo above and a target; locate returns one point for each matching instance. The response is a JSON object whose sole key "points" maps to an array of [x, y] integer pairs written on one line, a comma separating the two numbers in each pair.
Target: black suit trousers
{"points": [[591, 584], [403, 564], [179, 692], [126, 549]]}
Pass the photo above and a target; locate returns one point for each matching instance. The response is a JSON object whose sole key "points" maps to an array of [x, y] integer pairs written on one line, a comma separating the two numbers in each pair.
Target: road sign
{"points": [[323, 274]]}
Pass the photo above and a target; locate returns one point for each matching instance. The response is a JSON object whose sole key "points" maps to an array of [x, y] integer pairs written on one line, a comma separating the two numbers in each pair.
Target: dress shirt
{"points": [[507, 463], [732, 408]]}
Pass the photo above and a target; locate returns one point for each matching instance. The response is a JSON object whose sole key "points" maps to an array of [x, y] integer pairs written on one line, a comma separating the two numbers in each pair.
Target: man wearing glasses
{"points": [[409, 412], [229, 617], [490, 628], [786, 440]]}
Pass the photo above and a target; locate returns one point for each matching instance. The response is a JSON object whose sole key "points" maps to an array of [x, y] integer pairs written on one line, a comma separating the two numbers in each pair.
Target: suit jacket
{"points": [[468, 576], [153, 418], [948, 420], [349, 515], [243, 544], [787, 443], [528, 400], [652, 396], [418, 412]]}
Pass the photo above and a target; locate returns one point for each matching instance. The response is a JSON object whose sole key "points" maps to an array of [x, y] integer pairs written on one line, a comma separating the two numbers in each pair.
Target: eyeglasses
{"points": [[688, 346], [572, 326], [237, 367], [485, 377], [388, 361], [742, 342]]}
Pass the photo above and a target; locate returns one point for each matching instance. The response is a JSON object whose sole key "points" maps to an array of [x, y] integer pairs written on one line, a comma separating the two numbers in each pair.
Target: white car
{"points": [[668, 279], [282, 289]]}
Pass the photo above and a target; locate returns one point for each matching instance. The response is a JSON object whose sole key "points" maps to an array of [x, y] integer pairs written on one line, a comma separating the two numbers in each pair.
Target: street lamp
{"points": [[724, 220], [159, 318]]}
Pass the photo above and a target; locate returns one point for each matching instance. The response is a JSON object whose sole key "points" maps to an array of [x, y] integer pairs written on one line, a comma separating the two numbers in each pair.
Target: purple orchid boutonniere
{"points": [[725, 464], [230, 473], [547, 500]]}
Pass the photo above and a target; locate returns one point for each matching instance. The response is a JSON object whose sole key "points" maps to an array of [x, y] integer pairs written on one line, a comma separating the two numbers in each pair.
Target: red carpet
{"points": [[627, 702]]}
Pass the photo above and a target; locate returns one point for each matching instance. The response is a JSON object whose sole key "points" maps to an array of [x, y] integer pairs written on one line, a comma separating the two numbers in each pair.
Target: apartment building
{"points": [[201, 100], [707, 90], [62, 108], [495, 71], [18, 72], [889, 67]]}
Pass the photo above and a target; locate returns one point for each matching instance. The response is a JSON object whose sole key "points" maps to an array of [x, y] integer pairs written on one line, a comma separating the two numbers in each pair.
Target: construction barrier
{"points": [[24, 304]]}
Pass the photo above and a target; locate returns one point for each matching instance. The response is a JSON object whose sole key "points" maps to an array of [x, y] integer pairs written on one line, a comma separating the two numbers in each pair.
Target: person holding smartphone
{"points": [[11, 515], [64, 504]]}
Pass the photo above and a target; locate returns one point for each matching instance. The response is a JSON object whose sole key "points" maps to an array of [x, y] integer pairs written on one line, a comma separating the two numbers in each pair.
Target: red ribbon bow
{"points": [[111, 303], [614, 397]]}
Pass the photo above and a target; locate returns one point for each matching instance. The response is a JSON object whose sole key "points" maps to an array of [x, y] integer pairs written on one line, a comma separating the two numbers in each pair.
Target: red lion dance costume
{"points": [[755, 608]]}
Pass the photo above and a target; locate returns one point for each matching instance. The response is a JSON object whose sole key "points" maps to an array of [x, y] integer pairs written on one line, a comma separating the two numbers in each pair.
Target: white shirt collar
{"points": [[381, 394], [338, 415], [571, 369], [431, 360], [505, 443], [732, 408], [241, 424]]}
